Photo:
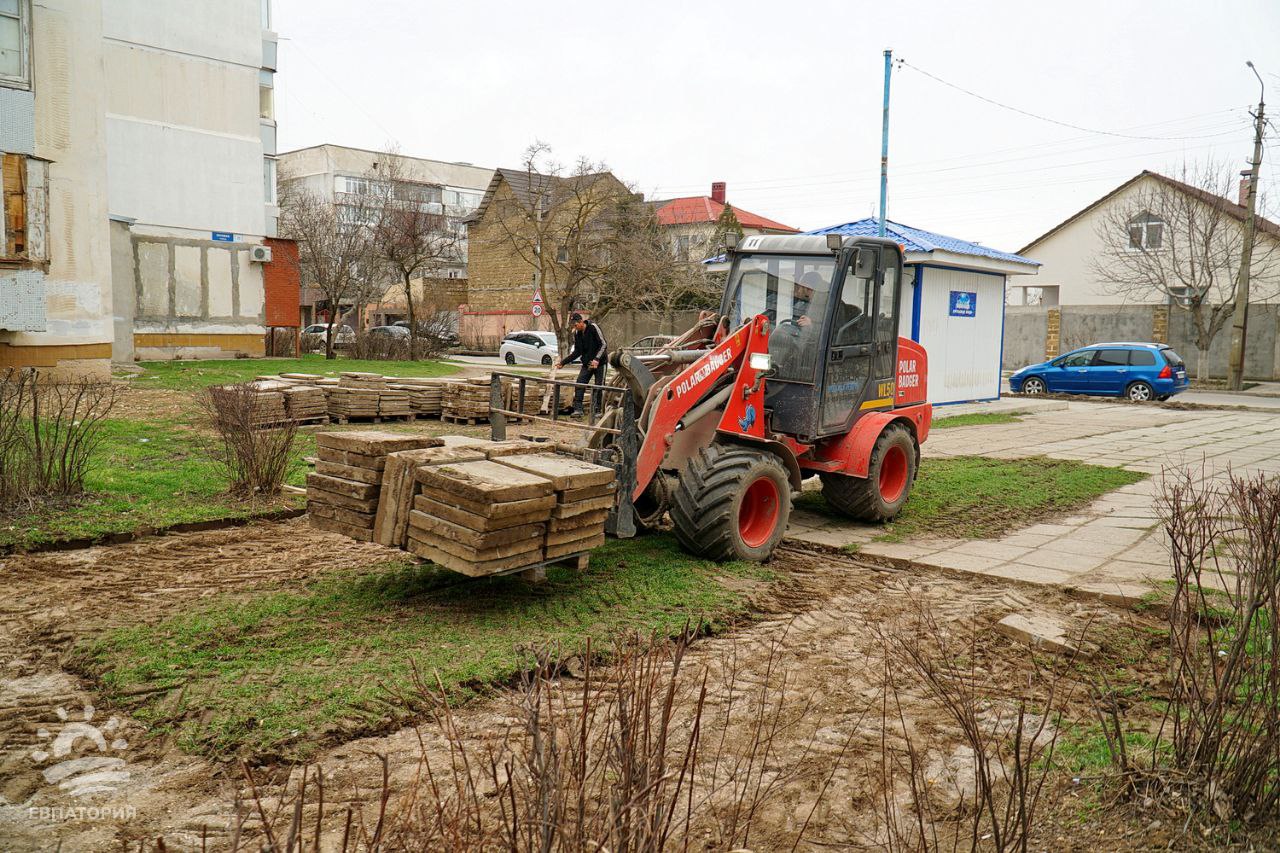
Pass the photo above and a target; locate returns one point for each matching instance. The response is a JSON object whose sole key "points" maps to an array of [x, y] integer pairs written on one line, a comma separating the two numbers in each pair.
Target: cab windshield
{"points": [[792, 291]]}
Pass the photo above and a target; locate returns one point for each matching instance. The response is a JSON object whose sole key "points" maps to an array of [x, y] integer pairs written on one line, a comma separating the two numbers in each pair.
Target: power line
{"points": [[993, 102]]}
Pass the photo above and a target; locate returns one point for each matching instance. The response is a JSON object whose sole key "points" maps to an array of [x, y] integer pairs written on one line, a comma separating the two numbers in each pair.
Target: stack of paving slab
{"points": [[357, 395], [480, 517], [584, 496], [304, 401], [425, 395], [342, 494], [467, 400], [394, 403], [268, 403]]}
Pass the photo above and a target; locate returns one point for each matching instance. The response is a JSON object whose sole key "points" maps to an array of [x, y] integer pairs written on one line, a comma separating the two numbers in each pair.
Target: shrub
{"points": [[256, 458], [49, 430]]}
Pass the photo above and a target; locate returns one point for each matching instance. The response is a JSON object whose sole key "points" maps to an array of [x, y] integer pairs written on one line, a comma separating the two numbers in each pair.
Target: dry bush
{"points": [[644, 753], [257, 458], [984, 794], [1221, 732], [49, 431]]}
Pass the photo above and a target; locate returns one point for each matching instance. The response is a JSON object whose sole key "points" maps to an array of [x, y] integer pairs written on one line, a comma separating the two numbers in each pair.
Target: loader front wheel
{"points": [[731, 503], [879, 496]]}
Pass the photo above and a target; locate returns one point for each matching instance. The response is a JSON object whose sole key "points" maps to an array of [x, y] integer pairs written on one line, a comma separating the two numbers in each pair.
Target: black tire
{"points": [[509, 358], [1163, 397], [731, 503], [1033, 385], [1140, 392], [546, 360], [862, 498]]}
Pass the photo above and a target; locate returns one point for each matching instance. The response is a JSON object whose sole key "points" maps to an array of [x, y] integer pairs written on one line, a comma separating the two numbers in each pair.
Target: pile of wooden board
{"points": [[342, 494], [584, 495]]}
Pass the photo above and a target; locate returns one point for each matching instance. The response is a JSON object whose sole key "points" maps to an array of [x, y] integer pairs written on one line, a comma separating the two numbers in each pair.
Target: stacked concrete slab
{"points": [[467, 401], [303, 402], [425, 395], [357, 395], [481, 517], [342, 494], [584, 496]]}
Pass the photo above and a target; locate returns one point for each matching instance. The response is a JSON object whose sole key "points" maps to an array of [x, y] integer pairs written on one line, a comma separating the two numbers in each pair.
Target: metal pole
{"points": [[1239, 322], [884, 142]]}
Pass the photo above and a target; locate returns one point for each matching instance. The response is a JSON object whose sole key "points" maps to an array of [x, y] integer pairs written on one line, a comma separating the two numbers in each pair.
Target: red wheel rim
{"points": [[893, 475], [758, 514]]}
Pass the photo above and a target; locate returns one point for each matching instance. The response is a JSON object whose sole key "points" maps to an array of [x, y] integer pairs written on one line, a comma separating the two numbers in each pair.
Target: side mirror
{"points": [[864, 263]]}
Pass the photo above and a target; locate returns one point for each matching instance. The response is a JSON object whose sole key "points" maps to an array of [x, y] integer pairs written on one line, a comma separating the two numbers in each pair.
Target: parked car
{"points": [[1139, 371], [343, 336], [398, 332], [529, 348], [651, 343]]}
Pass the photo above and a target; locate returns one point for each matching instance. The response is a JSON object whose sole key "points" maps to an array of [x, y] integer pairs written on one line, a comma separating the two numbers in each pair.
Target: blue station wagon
{"points": [[1134, 370]]}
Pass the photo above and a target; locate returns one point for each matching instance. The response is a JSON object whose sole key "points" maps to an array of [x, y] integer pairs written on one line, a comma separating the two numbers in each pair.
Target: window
{"points": [[1111, 358], [269, 179], [15, 43], [266, 95], [1146, 231], [1077, 359], [1142, 358], [24, 214], [420, 193]]}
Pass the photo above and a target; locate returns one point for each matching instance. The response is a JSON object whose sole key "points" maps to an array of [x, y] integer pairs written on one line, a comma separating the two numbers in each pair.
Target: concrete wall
{"points": [[1026, 341], [69, 132]]}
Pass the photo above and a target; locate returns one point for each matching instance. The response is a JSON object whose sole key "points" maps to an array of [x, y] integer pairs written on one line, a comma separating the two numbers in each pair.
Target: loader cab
{"points": [[833, 334]]}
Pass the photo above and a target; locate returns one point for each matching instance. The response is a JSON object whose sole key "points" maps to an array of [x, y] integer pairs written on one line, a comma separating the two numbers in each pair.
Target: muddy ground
{"points": [[817, 623]]}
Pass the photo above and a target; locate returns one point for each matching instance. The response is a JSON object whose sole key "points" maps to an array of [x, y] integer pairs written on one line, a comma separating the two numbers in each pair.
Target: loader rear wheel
{"points": [[731, 503], [891, 471]]}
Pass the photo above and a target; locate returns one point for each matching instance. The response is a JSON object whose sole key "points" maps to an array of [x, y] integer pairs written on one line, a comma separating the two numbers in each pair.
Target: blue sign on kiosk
{"points": [[224, 236], [963, 303]]}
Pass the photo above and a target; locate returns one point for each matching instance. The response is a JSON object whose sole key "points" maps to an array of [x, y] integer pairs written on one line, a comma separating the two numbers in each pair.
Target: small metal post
{"points": [[884, 143]]}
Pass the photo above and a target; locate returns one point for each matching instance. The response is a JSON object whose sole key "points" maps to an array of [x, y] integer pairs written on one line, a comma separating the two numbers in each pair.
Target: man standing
{"points": [[589, 346]]}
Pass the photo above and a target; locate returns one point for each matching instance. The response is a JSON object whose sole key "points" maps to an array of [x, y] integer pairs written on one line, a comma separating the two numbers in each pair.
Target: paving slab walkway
{"points": [[1113, 548]]}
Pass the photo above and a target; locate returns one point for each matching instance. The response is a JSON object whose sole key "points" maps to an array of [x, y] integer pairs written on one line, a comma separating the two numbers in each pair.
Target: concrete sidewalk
{"points": [[1113, 548]]}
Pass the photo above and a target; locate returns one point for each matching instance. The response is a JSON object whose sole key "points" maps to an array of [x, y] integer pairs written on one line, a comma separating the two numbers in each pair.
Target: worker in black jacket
{"points": [[588, 346]]}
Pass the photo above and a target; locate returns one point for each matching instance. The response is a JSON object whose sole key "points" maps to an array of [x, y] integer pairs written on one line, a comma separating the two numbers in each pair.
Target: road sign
{"points": [[224, 236], [536, 308]]}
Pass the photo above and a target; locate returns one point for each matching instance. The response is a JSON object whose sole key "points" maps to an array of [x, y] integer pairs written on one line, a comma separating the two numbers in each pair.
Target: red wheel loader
{"points": [[801, 373]]}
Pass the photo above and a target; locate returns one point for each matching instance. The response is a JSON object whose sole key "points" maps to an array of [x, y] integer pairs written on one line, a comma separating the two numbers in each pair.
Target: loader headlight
{"points": [[759, 361]]}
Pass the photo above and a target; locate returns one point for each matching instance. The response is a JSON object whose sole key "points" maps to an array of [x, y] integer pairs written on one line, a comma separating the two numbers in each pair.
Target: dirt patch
{"points": [[816, 632]]}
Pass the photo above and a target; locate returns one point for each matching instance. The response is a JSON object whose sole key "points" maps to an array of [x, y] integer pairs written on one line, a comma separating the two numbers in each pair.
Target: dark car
{"points": [[394, 332], [1139, 371]]}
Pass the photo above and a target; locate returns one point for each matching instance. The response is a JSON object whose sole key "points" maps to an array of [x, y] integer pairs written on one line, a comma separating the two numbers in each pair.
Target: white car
{"points": [[342, 335], [530, 348]]}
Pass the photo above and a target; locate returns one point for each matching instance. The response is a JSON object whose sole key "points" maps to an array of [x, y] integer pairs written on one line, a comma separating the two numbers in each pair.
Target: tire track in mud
{"points": [[815, 644]]}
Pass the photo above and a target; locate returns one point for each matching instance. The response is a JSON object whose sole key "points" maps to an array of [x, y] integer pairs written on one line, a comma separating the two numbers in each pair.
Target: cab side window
{"points": [[1079, 359], [1142, 358], [1111, 358]]}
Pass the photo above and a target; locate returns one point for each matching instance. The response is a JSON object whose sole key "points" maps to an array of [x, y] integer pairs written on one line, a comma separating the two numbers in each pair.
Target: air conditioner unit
{"points": [[260, 254]]}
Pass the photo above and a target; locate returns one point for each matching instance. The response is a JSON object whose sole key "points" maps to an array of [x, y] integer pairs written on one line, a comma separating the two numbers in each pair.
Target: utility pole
{"points": [[884, 142], [1240, 320]]}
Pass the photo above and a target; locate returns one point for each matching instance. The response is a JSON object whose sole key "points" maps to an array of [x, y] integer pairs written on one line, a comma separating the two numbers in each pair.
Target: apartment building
{"points": [[336, 174], [137, 140]]}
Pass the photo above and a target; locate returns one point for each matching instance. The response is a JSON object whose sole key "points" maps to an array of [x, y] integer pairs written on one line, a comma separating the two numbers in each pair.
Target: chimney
{"points": [[1244, 191], [717, 191]]}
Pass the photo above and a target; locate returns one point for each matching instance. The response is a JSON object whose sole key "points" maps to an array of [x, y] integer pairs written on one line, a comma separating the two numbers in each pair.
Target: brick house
{"points": [[530, 233], [691, 222]]}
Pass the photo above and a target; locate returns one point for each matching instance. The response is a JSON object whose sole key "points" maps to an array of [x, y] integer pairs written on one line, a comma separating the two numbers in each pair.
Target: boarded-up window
{"points": [[23, 209]]}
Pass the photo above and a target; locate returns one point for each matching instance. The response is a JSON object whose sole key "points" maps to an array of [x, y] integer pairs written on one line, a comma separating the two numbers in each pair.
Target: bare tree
{"points": [[334, 245], [1180, 240], [412, 236], [567, 227], [649, 275]]}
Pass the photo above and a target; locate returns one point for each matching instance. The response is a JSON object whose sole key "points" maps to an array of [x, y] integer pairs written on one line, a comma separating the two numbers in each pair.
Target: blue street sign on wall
{"points": [[224, 236], [963, 303]]}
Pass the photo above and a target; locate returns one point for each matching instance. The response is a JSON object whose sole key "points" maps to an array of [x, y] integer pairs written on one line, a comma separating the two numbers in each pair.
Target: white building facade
{"points": [[153, 126]]}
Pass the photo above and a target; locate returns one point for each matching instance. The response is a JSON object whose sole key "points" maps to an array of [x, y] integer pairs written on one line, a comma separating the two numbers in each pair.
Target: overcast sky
{"points": [[782, 100]]}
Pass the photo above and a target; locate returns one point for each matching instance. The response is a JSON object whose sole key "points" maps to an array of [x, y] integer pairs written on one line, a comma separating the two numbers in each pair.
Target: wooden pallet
{"points": [[538, 573], [454, 419], [372, 419], [314, 419]]}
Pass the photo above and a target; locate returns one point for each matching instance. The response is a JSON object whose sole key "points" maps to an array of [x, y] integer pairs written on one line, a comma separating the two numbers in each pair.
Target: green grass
{"points": [[974, 497], [145, 475], [282, 672], [190, 375], [976, 419]]}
